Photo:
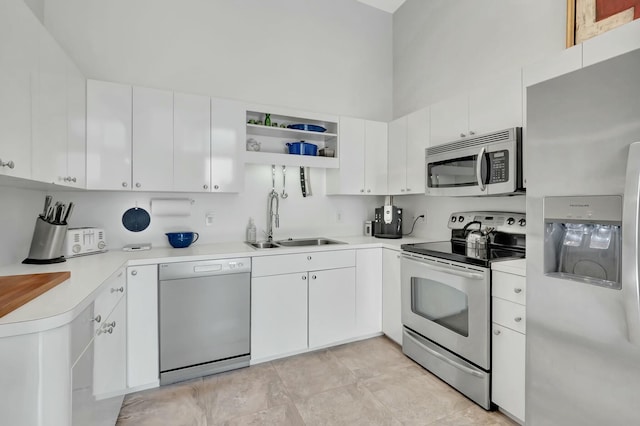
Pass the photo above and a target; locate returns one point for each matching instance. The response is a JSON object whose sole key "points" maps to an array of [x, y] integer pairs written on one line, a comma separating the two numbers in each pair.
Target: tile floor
{"points": [[363, 383]]}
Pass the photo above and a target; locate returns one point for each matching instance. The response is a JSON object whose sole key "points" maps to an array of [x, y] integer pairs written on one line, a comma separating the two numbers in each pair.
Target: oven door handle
{"points": [[442, 357], [463, 274], [479, 169]]}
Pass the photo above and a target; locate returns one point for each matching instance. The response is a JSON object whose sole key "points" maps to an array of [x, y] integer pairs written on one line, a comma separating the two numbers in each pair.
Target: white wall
{"points": [[20, 208], [37, 7], [331, 56], [313, 216], [444, 47]]}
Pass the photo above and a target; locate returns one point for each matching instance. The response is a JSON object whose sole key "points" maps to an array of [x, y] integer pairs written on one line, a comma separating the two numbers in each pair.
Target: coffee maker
{"points": [[388, 220]]}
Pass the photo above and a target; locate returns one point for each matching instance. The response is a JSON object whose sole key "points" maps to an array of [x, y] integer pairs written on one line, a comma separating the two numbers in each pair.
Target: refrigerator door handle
{"points": [[630, 229], [479, 163]]}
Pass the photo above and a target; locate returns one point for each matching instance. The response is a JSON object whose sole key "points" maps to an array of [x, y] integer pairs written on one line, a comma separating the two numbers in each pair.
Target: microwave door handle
{"points": [[630, 224], [479, 177]]}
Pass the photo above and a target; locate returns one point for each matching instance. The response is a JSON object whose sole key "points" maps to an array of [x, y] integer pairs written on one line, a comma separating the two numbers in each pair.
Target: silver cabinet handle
{"points": [[517, 319], [314, 277], [111, 324], [517, 290], [304, 277], [138, 185], [134, 272], [216, 187], [105, 330], [308, 257], [125, 184], [496, 332], [205, 186], [115, 290], [10, 164], [97, 319], [462, 135]]}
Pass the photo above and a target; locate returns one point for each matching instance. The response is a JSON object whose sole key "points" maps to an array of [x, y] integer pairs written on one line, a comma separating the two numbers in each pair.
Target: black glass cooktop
{"points": [[457, 251]]}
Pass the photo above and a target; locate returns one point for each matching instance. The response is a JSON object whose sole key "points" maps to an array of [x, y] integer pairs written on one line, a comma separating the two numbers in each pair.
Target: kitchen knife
{"points": [[307, 176], [58, 215], [68, 213], [303, 183], [47, 203], [49, 217]]}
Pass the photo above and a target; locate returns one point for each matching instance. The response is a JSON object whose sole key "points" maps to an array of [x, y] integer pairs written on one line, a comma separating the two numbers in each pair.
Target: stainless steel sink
{"points": [[263, 245], [307, 242]]}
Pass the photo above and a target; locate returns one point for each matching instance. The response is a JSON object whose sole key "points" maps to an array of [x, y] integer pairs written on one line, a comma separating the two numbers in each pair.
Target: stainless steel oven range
{"points": [[446, 298]]}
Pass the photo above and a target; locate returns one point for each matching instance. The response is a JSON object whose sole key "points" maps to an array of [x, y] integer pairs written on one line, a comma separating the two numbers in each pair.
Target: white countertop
{"points": [[63, 303], [517, 266]]}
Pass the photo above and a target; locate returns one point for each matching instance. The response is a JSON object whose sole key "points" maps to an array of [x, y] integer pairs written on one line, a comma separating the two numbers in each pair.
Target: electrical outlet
{"points": [[208, 219]]}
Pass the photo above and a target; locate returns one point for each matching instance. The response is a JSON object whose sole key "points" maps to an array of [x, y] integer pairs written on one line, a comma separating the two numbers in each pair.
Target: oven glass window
{"points": [[441, 304], [451, 173]]}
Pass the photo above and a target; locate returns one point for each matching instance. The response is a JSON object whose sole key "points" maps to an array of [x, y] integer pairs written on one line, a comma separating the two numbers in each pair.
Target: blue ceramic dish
{"points": [[182, 239], [302, 148], [307, 127]]}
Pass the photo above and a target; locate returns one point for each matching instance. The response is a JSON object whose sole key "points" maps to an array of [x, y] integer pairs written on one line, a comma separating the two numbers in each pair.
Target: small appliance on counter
{"points": [[83, 241], [368, 228], [49, 233], [388, 220]]}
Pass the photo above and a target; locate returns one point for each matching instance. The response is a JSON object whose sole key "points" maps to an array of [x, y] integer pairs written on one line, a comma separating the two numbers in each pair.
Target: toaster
{"points": [[87, 240]]}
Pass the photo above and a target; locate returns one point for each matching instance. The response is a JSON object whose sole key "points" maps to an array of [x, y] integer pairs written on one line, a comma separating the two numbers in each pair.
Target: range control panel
{"points": [[515, 223]]}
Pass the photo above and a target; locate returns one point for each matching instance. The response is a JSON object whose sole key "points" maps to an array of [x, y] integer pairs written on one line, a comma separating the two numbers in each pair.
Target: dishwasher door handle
{"points": [[207, 268]]}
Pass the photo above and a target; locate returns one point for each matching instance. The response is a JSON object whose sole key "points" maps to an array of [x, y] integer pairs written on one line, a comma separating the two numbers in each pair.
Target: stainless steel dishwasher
{"points": [[205, 309]]}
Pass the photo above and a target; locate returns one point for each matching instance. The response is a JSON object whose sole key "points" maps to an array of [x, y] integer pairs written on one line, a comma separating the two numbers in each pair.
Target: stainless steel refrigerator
{"points": [[583, 339]]}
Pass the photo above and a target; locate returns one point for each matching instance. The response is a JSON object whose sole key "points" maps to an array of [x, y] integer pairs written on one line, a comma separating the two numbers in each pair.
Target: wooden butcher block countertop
{"points": [[16, 290]]}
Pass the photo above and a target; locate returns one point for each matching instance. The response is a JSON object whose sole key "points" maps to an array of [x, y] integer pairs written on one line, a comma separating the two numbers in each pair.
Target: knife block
{"points": [[46, 244]]}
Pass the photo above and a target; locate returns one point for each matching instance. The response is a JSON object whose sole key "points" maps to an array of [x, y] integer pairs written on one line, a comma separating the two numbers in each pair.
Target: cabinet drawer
{"points": [[302, 262], [112, 291], [509, 314], [509, 287]]}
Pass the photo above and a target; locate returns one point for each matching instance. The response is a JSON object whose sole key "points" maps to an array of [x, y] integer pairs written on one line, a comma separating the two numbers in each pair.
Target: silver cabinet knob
{"points": [[10, 164], [205, 186], [398, 256], [74, 180], [462, 135], [97, 319], [368, 190], [216, 187], [362, 190], [313, 277], [517, 290], [111, 324], [517, 319], [496, 332], [308, 257], [471, 132], [134, 272], [408, 189], [304, 277], [115, 290], [402, 190], [138, 185], [125, 184]]}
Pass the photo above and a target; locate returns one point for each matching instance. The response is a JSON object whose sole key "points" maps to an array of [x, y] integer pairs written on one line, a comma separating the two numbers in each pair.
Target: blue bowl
{"points": [[307, 127], [302, 148], [182, 239]]}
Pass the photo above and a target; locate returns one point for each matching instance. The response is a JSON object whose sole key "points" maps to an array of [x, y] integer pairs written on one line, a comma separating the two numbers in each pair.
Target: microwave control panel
{"points": [[499, 164]]}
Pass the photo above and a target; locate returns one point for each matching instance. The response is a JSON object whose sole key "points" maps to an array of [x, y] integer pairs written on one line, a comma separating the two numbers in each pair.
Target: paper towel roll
{"points": [[171, 207]]}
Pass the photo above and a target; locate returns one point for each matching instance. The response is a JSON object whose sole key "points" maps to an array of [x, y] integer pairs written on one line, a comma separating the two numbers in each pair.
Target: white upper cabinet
{"points": [[76, 128], [109, 114], [560, 63], [363, 158], [19, 34], [408, 139], [49, 155], [228, 139], [494, 106], [191, 143], [152, 139], [616, 42]]}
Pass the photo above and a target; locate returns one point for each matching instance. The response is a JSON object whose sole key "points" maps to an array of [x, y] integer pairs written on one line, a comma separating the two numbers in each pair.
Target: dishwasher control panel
{"points": [[203, 268]]}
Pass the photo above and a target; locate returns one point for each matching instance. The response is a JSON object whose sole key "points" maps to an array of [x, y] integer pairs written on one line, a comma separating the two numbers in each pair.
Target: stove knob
{"points": [[522, 222], [461, 219], [511, 221], [453, 219]]}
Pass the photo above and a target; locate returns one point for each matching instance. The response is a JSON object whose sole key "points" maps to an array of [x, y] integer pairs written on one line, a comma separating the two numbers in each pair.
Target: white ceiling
{"points": [[386, 5]]}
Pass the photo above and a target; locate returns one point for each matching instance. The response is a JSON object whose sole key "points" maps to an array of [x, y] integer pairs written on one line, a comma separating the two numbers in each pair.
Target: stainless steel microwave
{"points": [[488, 164]]}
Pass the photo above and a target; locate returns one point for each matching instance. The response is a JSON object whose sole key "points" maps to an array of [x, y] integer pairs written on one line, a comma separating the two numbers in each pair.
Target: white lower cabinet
{"points": [[391, 302], [332, 306], [278, 315], [508, 343], [142, 327]]}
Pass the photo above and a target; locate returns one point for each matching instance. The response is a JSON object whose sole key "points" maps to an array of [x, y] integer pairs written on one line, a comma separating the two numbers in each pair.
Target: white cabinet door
{"points": [[375, 157], [191, 143], [618, 41], [76, 127], [19, 34], [228, 140], [109, 110], [508, 365], [332, 306], [417, 142], [368, 291], [449, 119], [397, 156], [352, 161], [278, 315], [49, 155], [496, 106], [391, 301], [142, 326], [152, 139], [110, 357]]}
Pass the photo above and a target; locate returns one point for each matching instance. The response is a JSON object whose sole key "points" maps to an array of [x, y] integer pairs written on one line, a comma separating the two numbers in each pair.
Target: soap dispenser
{"points": [[251, 231]]}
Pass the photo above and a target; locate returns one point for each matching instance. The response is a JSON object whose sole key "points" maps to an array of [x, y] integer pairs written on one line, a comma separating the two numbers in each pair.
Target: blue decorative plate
{"points": [[307, 127]]}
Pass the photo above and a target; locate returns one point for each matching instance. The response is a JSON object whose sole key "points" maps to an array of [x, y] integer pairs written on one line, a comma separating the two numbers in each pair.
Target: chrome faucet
{"points": [[273, 216]]}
